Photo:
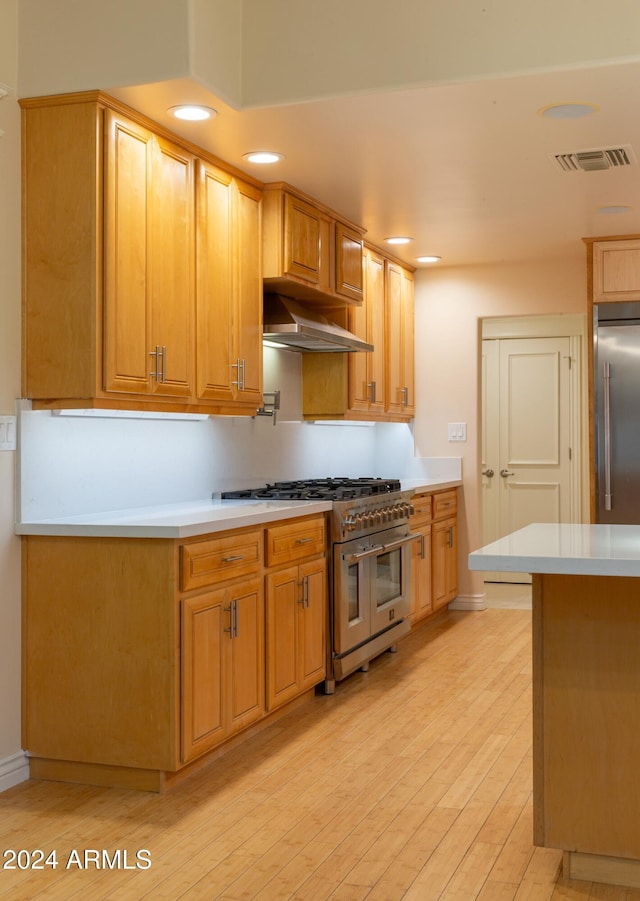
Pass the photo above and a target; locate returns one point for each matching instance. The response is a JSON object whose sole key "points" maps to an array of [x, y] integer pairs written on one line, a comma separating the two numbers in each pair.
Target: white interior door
{"points": [[526, 447]]}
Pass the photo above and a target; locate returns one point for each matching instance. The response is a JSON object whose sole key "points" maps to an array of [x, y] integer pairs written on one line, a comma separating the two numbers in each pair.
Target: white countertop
{"points": [[421, 486], [183, 520], [590, 550]]}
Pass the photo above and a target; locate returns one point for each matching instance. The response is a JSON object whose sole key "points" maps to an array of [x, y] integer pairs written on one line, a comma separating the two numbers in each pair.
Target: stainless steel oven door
{"points": [[371, 586]]}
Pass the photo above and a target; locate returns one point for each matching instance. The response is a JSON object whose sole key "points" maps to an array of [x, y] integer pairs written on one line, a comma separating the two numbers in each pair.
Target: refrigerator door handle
{"points": [[607, 436]]}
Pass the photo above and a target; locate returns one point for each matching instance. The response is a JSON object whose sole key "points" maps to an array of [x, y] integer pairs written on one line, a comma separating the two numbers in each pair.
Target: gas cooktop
{"points": [[317, 489]]}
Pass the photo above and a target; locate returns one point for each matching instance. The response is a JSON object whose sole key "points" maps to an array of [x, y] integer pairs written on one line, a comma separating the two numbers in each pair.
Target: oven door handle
{"points": [[400, 541], [381, 548], [370, 552]]}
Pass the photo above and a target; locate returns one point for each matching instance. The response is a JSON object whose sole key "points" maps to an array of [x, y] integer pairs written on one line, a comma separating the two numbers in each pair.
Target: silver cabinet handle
{"points": [[607, 436], [405, 397], [233, 558], [155, 374], [239, 367], [304, 585], [489, 473], [231, 609], [371, 388], [505, 473], [303, 540], [160, 372]]}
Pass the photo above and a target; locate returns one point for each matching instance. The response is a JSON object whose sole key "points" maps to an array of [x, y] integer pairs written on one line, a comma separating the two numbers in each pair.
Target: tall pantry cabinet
{"points": [[142, 265]]}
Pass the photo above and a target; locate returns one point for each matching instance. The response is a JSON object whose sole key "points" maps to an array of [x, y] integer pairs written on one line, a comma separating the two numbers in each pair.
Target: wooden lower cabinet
{"points": [[142, 654], [434, 559], [222, 650], [296, 616], [444, 559], [421, 604]]}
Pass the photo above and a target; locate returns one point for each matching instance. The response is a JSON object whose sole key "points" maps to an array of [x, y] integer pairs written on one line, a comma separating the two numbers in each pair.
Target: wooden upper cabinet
{"points": [[616, 270], [378, 385], [349, 251], [129, 161], [142, 265], [248, 276], [305, 242], [367, 370], [310, 252], [148, 261], [228, 287], [400, 375]]}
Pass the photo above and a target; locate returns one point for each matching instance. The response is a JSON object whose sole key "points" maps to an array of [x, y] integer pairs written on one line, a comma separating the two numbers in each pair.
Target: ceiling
{"points": [[465, 169]]}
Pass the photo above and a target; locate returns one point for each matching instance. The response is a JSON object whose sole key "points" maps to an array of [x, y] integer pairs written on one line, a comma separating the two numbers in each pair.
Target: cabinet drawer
{"points": [[295, 541], [217, 559], [445, 504], [423, 506]]}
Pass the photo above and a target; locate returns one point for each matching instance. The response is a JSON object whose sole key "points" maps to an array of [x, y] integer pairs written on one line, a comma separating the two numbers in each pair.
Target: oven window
{"points": [[388, 582], [353, 593]]}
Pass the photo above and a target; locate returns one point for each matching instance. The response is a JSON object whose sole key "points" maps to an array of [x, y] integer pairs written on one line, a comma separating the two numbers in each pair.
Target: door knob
{"points": [[489, 473], [505, 472]]}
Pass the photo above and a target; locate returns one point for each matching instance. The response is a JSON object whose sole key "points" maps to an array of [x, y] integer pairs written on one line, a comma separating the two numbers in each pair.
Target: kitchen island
{"points": [[586, 690]]}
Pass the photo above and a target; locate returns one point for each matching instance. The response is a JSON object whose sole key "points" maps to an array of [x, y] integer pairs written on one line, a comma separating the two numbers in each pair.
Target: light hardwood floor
{"points": [[412, 782]]}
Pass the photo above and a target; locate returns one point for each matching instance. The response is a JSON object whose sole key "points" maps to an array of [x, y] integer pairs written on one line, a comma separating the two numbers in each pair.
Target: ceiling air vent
{"points": [[596, 160]]}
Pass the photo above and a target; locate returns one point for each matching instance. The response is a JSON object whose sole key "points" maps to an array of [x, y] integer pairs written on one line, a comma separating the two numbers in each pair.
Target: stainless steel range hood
{"points": [[302, 329]]}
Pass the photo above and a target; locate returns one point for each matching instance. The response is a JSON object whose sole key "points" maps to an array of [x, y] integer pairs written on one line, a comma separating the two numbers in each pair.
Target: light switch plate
{"points": [[457, 431], [7, 433]]}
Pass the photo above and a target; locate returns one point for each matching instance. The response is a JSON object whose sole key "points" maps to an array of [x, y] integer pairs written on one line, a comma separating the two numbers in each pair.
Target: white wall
{"points": [[11, 760], [450, 304]]}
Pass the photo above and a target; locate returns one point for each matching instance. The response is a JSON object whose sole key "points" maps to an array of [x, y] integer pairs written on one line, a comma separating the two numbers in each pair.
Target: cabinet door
{"points": [[444, 544], [284, 597], [312, 619], [171, 270], [203, 685], [616, 270], [408, 342], [366, 370], [306, 233], [394, 371], [149, 312], [245, 656], [127, 339], [214, 283], [248, 312], [421, 574], [349, 247], [400, 341]]}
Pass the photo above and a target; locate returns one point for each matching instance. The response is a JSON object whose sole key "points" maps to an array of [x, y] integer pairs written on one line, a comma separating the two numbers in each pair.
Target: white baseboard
{"points": [[469, 602], [13, 770]]}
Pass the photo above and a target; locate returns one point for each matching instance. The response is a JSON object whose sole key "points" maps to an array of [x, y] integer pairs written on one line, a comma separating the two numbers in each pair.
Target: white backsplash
{"points": [[71, 464]]}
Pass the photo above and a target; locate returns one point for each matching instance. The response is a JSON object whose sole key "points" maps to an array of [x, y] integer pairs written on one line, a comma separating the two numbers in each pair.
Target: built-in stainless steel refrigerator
{"points": [[617, 411]]}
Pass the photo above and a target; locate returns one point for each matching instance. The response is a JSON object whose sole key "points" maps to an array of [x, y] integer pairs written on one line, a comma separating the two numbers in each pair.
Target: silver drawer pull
{"points": [[303, 540], [232, 559]]}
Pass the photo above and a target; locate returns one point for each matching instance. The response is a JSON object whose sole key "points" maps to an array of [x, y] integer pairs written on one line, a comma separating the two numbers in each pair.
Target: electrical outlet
{"points": [[7, 433], [457, 431]]}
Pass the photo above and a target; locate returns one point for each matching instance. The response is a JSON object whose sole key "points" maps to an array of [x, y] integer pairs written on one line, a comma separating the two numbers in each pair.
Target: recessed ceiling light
{"points": [[193, 113], [428, 259], [399, 240], [568, 110], [263, 157], [612, 210]]}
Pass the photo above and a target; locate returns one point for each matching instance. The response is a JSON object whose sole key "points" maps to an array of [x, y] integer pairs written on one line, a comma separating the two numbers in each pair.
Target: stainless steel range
{"points": [[370, 565]]}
